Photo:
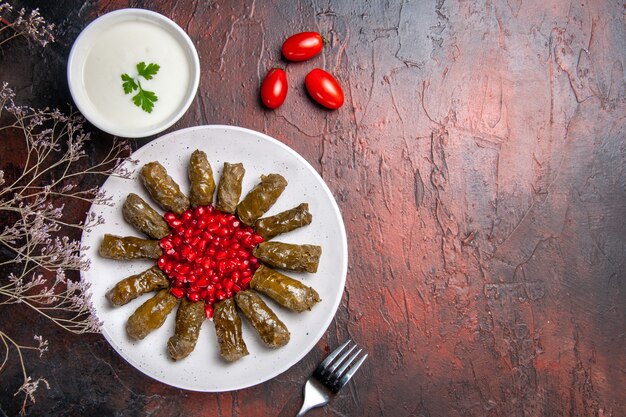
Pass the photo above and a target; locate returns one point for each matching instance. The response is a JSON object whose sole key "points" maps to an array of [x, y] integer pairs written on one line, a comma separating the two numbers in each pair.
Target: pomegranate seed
{"points": [[177, 292], [161, 262], [235, 223], [166, 243], [228, 285], [236, 288], [220, 295], [200, 245], [176, 223], [186, 216], [247, 273], [193, 296], [257, 238], [208, 311], [202, 282]]}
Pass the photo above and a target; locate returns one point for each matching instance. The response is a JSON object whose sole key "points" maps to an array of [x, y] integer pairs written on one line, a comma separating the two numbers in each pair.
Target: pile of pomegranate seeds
{"points": [[208, 255]]}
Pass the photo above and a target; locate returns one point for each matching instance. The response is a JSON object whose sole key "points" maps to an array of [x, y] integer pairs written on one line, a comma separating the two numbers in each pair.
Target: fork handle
{"points": [[308, 407], [314, 396]]}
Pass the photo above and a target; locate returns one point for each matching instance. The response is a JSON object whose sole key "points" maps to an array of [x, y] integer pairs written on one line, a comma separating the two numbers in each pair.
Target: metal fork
{"points": [[330, 376]]}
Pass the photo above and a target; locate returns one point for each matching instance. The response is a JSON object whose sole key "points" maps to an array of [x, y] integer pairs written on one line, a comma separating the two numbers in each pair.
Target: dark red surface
{"points": [[480, 165]]}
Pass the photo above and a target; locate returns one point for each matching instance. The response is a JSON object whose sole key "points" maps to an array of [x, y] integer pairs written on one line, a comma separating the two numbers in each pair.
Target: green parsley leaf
{"points": [[129, 84], [145, 99], [147, 71]]}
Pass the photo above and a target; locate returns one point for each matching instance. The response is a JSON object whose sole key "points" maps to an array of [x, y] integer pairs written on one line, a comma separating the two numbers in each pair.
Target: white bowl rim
{"points": [[148, 14]]}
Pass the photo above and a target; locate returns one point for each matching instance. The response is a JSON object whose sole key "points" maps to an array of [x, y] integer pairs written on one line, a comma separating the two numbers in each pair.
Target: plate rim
{"points": [[343, 273]]}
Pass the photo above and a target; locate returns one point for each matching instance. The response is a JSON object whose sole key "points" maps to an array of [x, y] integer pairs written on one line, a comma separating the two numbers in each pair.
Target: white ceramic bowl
{"points": [[118, 115]]}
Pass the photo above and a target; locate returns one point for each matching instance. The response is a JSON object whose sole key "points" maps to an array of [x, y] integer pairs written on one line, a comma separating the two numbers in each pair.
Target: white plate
{"points": [[204, 370]]}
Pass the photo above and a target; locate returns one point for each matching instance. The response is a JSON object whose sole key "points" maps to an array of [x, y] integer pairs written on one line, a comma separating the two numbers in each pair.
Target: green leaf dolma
{"points": [[163, 189], [189, 318], [229, 188], [228, 330], [129, 247], [261, 198], [286, 291], [283, 222], [135, 285], [289, 256], [271, 330], [144, 218], [201, 178], [150, 315]]}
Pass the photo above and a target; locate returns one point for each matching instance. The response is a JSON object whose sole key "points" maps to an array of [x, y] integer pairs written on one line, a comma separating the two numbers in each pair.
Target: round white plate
{"points": [[204, 370]]}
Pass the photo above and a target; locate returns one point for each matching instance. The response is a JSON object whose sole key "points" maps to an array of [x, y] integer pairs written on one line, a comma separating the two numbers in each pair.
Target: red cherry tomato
{"points": [[303, 46], [274, 88], [324, 88]]}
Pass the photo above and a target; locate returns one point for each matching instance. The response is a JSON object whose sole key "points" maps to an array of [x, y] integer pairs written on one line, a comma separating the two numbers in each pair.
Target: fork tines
{"points": [[335, 371]]}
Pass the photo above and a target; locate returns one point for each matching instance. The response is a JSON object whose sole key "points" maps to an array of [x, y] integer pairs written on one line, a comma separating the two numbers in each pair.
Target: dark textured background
{"points": [[479, 163]]}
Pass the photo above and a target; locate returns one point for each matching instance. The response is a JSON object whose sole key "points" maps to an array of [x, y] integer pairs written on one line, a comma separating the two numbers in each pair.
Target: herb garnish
{"points": [[144, 98]]}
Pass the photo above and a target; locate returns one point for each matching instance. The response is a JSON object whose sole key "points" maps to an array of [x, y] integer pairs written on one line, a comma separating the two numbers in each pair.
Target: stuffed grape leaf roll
{"points": [[286, 291], [228, 330], [189, 318], [150, 315], [129, 247], [128, 289], [271, 330], [201, 178], [163, 189], [283, 222], [289, 256], [229, 188], [261, 198], [143, 217]]}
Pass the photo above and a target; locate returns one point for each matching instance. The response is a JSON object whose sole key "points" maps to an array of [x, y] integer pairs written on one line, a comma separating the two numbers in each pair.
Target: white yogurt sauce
{"points": [[118, 50]]}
